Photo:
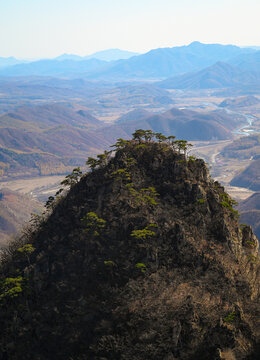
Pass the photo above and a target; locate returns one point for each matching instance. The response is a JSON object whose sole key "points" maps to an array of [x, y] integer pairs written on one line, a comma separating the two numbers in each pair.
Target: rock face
{"points": [[143, 259]]}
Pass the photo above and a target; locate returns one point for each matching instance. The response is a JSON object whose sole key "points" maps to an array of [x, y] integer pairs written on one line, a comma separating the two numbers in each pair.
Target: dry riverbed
{"points": [[39, 187]]}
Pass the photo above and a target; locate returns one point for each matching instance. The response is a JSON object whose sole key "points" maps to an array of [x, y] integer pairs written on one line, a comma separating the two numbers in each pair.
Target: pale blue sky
{"points": [[47, 28]]}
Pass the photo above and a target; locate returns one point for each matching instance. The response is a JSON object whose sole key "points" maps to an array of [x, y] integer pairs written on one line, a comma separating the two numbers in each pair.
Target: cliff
{"points": [[142, 259]]}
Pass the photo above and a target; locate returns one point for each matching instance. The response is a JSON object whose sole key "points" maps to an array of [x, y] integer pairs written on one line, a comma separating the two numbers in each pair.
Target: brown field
{"points": [[37, 187]]}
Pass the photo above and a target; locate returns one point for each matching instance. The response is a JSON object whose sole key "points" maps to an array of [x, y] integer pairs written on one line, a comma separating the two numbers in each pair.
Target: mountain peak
{"points": [[144, 253], [195, 44]]}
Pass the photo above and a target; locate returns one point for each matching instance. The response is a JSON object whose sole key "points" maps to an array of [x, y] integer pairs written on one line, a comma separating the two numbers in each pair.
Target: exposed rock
{"points": [[143, 259]]}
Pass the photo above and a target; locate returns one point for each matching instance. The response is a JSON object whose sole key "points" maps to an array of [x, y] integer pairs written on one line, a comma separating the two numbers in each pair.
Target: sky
{"points": [[48, 28]]}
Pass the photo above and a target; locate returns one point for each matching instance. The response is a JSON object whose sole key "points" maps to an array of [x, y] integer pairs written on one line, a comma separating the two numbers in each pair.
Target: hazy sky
{"points": [[47, 28]]}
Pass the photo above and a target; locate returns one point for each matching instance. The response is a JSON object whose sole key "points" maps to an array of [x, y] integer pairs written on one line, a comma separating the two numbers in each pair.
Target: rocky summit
{"points": [[143, 258]]}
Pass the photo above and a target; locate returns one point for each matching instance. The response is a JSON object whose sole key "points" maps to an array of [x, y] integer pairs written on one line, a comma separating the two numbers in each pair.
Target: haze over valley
{"points": [[54, 113]]}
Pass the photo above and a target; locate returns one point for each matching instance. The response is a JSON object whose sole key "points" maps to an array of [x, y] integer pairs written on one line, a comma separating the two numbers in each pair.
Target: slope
{"points": [[219, 75], [183, 123], [46, 139], [243, 101], [15, 210], [250, 177], [246, 147], [143, 259], [250, 212]]}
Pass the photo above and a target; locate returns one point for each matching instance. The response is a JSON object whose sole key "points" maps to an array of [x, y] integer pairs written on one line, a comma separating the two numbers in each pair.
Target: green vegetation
{"points": [[109, 262], [230, 318], [101, 161], [72, 178], [92, 223], [141, 266], [201, 201], [26, 251], [144, 196], [182, 145], [121, 175], [120, 144], [191, 158], [143, 234], [161, 138], [251, 244], [228, 203], [253, 258], [142, 137], [11, 287]]}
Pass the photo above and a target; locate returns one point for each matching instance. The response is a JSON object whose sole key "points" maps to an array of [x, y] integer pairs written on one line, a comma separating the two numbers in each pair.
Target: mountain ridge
{"points": [[155, 64], [219, 75]]}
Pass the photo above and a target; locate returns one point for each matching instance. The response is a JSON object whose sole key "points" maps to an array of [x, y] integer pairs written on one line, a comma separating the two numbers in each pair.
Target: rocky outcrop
{"points": [[143, 259]]}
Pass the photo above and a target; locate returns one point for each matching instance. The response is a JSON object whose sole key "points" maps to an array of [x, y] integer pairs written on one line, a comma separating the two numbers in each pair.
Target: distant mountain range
{"points": [[155, 64], [219, 75], [247, 62], [105, 55], [9, 61], [54, 67], [166, 62]]}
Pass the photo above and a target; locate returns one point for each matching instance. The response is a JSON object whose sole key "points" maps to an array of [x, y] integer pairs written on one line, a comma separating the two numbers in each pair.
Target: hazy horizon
{"points": [[256, 47], [33, 29]]}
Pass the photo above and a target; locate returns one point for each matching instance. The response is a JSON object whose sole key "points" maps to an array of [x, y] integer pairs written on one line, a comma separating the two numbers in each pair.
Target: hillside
{"points": [[246, 147], [15, 211], [250, 212], [248, 62], [47, 116], [46, 139], [97, 96], [183, 123], [143, 259], [243, 101], [134, 115], [249, 178], [53, 138], [219, 75]]}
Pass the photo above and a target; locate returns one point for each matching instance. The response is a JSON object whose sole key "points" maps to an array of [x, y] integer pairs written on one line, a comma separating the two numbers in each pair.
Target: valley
{"points": [[36, 187], [64, 110], [28, 157]]}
